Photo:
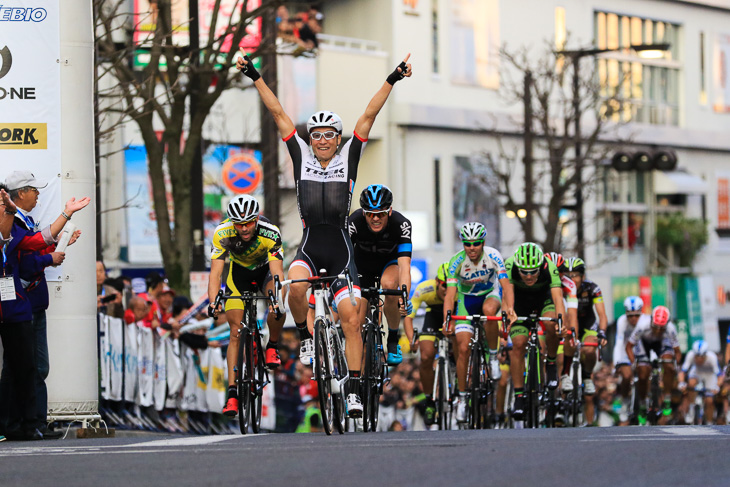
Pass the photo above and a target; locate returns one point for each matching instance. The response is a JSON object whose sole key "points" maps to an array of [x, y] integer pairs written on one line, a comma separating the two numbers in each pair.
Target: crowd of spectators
{"points": [[300, 28]]}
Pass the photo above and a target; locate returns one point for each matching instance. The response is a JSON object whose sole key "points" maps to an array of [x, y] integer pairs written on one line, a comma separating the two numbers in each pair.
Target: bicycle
{"points": [[479, 384], [654, 412], [573, 403], [330, 365], [535, 395], [374, 370], [250, 370], [444, 381]]}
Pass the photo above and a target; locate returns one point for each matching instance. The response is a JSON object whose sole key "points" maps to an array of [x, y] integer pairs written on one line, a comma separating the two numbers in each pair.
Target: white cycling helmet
{"points": [[243, 208], [325, 118], [700, 347], [633, 304], [472, 231]]}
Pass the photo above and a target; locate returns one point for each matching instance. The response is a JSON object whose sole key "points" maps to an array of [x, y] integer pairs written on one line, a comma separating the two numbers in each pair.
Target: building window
{"points": [[435, 37], [625, 209], [703, 75], [474, 199], [437, 197], [647, 89], [474, 42]]}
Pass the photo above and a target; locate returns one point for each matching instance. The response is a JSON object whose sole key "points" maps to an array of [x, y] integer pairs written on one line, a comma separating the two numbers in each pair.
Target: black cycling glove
{"points": [[211, 311], [249, 70], [397, 76], [601, 335]]}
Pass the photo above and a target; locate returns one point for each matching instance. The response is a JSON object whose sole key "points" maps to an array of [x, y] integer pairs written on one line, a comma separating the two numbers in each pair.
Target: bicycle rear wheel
{"points": [[532, 389], [340, 372], [474, 387], [258, 382], [322, 372], [243, 379], [575, 395]]}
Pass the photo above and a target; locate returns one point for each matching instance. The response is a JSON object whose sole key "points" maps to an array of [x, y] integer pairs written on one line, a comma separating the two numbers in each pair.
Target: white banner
{"points": [[30, 100]]}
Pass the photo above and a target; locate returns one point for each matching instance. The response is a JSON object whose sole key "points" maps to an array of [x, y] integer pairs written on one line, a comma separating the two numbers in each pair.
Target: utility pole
{"points": [[578, 159], [528, 159], [269, 131], [196, 167]]}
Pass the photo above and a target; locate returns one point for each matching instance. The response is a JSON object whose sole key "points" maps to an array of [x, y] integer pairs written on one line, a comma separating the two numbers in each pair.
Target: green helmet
{"points": [[441, 274], [576, 264], [529, 255]]}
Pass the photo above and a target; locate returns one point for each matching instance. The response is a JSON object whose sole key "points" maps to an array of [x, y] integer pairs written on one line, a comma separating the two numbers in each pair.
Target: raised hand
{"points": [[403, 70]]}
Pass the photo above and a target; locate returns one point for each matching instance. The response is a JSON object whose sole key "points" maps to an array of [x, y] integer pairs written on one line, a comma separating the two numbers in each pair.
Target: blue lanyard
{"points": [[27, 220], [5, 259]]}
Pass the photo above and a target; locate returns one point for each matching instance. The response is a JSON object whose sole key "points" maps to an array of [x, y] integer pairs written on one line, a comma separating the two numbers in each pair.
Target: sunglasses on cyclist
{"points": [[247, 224], [379, 214], [573, 275], [531, 272], [475, 243], [329, 135], [633, 315]]}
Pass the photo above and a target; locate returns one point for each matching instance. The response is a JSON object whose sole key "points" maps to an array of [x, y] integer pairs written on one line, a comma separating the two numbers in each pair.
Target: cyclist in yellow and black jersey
{"points": [[254, 249], [431, 293]]}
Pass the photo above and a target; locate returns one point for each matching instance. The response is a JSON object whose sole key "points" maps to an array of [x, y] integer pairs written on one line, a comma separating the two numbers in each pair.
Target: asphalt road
{"points": [[634, 456]]}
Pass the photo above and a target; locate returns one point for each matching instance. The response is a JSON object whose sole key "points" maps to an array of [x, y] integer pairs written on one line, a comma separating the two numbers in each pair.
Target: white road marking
{"points": [[691, 431], [187, 441]]}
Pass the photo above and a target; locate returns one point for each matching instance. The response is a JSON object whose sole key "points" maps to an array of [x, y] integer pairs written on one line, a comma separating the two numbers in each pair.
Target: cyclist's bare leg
{"points": [[709, 408], [463, 339], [298, 302], [551, 335], [588, 359], [490, 307], [391, 309], [626, 375], [517, 361], [643, 372], [351, 327], [669, 374], [689, 396], [234, 321], [502, 392], [275, 325], [428, 353]]}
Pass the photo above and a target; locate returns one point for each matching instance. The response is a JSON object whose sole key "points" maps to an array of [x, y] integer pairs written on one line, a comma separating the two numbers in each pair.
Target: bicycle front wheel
{"points": [[440, 395], [259, 379], [243, 379], [322, 372], [532, 388], [369, 380], [474, 387]]}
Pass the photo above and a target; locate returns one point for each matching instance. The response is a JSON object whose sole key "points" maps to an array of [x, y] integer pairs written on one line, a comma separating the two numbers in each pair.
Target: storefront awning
{"points": [[678, 182]]}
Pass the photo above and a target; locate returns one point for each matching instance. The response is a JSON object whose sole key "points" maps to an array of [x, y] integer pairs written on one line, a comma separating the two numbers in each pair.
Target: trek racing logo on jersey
{"points": [[336, 171]]}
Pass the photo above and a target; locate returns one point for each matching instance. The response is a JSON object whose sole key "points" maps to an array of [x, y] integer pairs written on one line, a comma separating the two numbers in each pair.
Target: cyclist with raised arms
{"points": [[537, 288], [254, 249], [477, 280], [431, 293], [324, 182], [382, 241], [625, 326], [700, 366], [660, 336], [590, 332]]}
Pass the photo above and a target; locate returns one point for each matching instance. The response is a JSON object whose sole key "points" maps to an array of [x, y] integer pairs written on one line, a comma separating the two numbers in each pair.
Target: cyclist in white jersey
{"points": [[325, 180], [701, 367], [625, 326], [478, 276], [659, 336]]}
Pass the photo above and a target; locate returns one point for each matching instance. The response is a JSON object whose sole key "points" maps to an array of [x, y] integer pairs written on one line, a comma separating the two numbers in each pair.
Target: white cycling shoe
{"points": [[461, 409], [306, 351], [354, 406], [494, 371], [566, 384], [589, 388]]}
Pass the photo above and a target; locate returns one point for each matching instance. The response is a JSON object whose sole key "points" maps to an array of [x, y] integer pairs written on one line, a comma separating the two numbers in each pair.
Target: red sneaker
{"points": [[273, 360], [231, 407]]}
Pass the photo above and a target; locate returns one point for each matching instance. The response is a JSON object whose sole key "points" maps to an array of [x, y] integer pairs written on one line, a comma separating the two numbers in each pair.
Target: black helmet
{"points": [[376, 197]]}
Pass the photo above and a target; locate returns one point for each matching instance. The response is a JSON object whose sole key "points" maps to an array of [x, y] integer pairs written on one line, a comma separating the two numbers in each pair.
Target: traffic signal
{"points": [[643, 160]]}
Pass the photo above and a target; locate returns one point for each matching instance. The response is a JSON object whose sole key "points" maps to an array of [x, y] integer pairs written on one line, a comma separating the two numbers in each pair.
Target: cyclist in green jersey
{"points": [[537, 288]]}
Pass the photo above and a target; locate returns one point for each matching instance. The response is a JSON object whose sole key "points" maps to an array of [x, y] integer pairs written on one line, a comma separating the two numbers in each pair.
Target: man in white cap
{"points": [[18, 410], [23, 189]]}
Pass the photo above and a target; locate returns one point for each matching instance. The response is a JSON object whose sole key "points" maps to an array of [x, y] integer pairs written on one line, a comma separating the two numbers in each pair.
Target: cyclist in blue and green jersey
{"points": [[477, 279], [537, 288]]}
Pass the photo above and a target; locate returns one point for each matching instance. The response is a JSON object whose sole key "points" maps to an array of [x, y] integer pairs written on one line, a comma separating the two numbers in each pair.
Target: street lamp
{"points": [[644, 50]]}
